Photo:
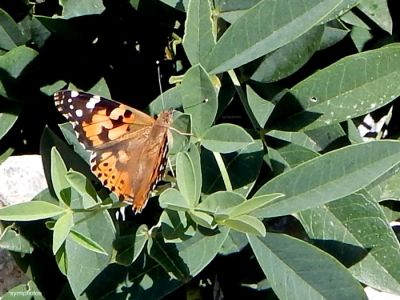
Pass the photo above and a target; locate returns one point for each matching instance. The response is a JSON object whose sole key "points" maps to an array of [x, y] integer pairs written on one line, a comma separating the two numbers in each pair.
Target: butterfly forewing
{"points": [[98, 120], [128, 147]]}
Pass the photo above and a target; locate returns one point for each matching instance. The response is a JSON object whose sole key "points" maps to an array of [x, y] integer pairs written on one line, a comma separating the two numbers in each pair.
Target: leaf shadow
{"points": [[347, 254]]}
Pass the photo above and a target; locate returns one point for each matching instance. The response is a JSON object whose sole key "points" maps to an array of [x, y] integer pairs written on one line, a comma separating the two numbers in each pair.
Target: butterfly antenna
{"points": [[159, 84], [163, 107]]}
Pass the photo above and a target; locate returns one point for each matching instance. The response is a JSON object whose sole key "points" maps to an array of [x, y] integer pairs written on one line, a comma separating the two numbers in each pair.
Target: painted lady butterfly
{"points": [[128, 147]]}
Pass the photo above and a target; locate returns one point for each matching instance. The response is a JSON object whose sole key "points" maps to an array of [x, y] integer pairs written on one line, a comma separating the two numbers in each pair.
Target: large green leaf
{"points": [[355, 230], [378, 11], [199, 98], [264, 28], [329, 177], [10, 34], [297, 270], [288, 59], [12, 64], [83, 265], [198, 39], [30, 211], [351, 87]]}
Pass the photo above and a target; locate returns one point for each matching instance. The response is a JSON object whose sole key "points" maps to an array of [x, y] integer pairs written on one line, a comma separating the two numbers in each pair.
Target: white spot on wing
{"points": [[79, 113], [92, 102], [71, 107], [74, 94]]}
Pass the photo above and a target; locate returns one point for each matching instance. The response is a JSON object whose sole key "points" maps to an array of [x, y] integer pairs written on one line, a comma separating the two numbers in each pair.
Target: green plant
{"points": [[290, 148]]}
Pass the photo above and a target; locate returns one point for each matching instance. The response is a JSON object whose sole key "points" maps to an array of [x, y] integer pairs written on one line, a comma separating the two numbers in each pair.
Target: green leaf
{"points": [[50, 89], [198, 39], [87, 242], [174, 200], [246, 224], [332, 36], [355, 230], [245, 165], [180, 129], [199, 98], [177, 4], [234, 243], [378, 11], [175, 226], [367, 81], [12, 64], [262, 30], [15, 61], [10, 34], [194, 155], [297, 138], [225, 138], [101, 89], [130, 246], [252, 204], [387, 186], [171, 98], [30, 211], [8, 117], [188, 258], [6, 154], [76, 8], [82, 264], [61, 230], [186, 178], [58, 175], [12, 240], [329, 177], [220, 203], [70, 136], [202, 219], [360, 37], [308, 273], [83, 187], [260, 107], [288, 59]]}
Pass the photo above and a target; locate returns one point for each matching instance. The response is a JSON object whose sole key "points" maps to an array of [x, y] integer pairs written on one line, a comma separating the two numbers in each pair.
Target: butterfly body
{"points": [[128, 147]]}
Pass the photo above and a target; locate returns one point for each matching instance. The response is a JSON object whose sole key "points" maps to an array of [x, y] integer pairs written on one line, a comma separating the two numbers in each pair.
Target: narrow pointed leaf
{"points": [[61, 230], [246, 224], [264, 28], [363, 239], [30, 211], [364, 82], [297, 270], [87, 242], [329, 177], [198, 39]]}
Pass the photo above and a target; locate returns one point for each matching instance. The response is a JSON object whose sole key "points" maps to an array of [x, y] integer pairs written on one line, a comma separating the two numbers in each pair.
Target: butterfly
{"points": [[128, 147]]}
